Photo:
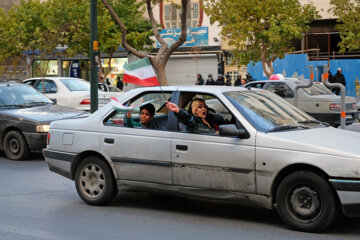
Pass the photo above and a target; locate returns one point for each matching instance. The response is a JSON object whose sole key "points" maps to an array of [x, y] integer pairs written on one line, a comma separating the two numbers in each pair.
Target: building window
{"points": [[233, 75], [171, 14], [229, 57]]}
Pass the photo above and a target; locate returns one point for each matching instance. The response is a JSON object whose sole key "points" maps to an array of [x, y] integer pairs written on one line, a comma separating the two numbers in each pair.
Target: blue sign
{"points": [[198, 36], [75, 69]]}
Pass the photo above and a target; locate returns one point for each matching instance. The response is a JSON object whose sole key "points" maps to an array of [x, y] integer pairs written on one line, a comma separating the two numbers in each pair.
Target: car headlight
{"points": [[42, 128]]}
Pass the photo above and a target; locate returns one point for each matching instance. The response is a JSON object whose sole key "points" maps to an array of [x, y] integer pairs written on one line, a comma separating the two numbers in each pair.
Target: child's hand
{"points": [[128, 114]]}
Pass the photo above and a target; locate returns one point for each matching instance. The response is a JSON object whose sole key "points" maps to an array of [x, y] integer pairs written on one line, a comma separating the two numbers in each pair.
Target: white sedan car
{"points": [[264, 153], [71, 92]]}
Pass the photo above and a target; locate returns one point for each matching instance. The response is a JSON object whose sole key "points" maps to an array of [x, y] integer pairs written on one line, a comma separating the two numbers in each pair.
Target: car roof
{"points": [[52, 78], [9, 83], [287, 80], [192, 88]]}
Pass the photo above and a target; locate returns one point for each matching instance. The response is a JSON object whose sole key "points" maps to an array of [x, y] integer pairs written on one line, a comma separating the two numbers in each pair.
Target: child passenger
{"points": [[147, 112]]}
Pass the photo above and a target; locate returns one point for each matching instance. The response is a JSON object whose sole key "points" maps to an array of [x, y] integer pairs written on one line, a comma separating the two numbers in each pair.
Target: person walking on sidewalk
{"points": [[339, 78]]}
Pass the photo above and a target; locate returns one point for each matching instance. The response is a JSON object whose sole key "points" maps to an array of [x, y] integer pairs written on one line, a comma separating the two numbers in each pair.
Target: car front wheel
{"points": [[306, 202], [94, 181], [15, 146]]}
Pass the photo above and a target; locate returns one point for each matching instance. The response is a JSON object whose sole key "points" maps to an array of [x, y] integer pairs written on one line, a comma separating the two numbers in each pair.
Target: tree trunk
{"points": [[160, 70], [267, 65], [165, 51]]}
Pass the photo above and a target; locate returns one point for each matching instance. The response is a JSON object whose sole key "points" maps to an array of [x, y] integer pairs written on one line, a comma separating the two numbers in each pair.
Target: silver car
{"points": [[317, 100], [266, 153], [68, 91]]}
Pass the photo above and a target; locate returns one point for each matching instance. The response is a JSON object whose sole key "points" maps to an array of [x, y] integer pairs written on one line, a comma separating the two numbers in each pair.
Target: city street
{"points": [[38, 204]]}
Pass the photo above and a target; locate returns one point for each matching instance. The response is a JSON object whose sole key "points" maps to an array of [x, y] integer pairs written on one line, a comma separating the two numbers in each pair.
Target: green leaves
{"points": [[348, 13], [33, 25], [261, 30]]}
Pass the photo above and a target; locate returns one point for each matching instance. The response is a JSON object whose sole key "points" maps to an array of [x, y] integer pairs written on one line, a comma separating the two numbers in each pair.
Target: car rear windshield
{"points": [[318, 89], [76, 84]]}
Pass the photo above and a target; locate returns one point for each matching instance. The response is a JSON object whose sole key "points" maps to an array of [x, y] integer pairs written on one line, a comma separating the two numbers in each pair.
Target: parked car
{"points": [[71, 92], [25, 115], [318, 100], [267, 154], [108, 88]]}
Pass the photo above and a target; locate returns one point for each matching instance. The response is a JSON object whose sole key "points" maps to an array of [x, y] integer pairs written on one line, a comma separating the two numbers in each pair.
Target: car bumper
{"points": [[59, 162], [36, 141], [349, 196], [334, 118]]}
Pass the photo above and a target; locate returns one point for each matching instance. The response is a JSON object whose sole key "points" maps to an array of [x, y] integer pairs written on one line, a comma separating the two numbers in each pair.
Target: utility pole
{"points": [[94, 59]]}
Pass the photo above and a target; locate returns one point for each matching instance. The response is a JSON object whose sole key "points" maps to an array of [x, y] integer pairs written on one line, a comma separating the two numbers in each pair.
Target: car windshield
{"points": [[21, 96], [74, 84], [318, 89], [267, 112]]}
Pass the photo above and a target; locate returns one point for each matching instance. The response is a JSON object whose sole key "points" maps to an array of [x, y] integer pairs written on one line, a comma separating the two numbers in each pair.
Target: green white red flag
{"points": [[140, 72]]}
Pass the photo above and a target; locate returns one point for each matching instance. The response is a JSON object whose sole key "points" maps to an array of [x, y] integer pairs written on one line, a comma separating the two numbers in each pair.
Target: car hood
{"points": [[46, 113], [326, 140]]}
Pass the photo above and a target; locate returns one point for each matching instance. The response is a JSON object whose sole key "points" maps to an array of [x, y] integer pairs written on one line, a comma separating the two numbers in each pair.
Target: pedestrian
{"points": [[107, 81], [119, 83], [210, 80], [339, 78], [220, 80], [238, 80], [199, 80], [243, 81], [228, 80]]}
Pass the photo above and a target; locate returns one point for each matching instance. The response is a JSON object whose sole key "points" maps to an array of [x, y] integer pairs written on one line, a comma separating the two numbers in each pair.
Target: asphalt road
{"points": [[38, 204]]}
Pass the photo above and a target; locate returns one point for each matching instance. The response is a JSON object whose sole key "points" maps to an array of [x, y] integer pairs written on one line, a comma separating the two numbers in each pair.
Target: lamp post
{"points": [[94, 48]]}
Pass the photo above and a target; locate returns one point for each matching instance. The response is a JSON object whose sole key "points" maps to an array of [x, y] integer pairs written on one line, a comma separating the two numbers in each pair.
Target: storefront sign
{"points": [[198, 36], [75, 69]]}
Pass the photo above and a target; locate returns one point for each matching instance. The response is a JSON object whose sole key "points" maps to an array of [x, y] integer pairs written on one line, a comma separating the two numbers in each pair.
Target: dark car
{"points": [[25, 116]]}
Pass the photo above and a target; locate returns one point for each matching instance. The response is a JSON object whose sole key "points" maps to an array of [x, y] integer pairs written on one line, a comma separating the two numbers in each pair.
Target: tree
{"points": [[139, 28], [163, 55], [348, 13], [261, 30], [24, 33]]}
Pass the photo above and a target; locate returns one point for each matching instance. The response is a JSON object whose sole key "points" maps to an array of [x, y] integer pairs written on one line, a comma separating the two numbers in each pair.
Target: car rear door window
{"points": [[46, 86], [157, 99], [281, 89]]}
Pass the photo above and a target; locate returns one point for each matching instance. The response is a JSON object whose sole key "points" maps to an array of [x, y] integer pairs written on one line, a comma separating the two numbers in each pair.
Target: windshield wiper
{"points": [[314, 121], [12, 105], [286, 126]]}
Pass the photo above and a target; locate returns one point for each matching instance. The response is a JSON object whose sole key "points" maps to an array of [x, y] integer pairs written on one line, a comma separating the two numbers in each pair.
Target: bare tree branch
{"points": [[123, 31], [182, 37], [163, 44]]}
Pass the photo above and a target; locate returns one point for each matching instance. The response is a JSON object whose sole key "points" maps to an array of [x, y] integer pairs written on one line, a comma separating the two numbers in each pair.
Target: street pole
{"points": [[94, 48], [342, 91]]}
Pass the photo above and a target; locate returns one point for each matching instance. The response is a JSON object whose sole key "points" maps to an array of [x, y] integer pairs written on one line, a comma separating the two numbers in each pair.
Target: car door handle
{"points": [[182, 147], [109, 140]]}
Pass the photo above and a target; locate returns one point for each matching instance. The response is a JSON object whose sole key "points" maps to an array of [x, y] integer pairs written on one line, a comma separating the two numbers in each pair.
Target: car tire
{"points": [[306, 202], [15, 146], [95, 182]]}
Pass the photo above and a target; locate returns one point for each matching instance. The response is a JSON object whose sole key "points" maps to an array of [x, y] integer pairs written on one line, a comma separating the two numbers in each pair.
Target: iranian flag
{"points": [[140, 72]]}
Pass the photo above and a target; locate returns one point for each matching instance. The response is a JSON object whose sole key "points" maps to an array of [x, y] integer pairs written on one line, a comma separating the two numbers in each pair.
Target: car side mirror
{"points": [[231, 130], [53, 100]]}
